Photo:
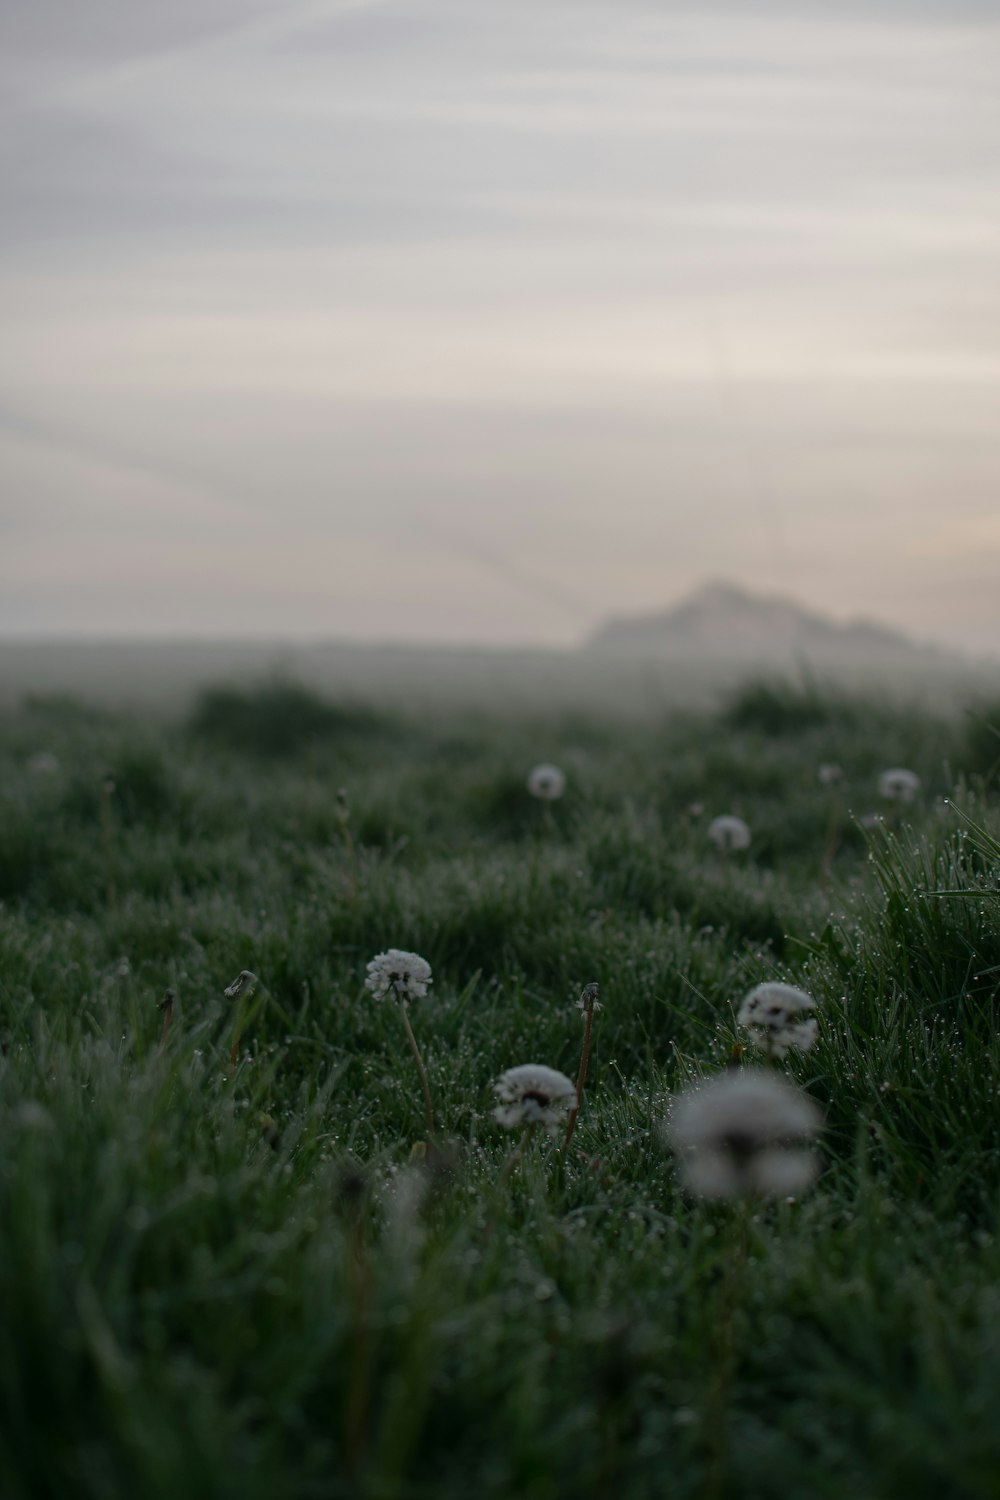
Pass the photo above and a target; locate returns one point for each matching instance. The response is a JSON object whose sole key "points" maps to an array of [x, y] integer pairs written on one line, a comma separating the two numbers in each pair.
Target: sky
{"points": [[483, 320]]}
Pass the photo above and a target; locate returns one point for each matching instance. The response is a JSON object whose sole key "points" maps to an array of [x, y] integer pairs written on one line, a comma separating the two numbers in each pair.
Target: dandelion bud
{"points": [[244, 984], [588, 998]]}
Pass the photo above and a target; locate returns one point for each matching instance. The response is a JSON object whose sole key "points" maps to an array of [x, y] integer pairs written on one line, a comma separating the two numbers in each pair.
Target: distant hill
{"points": [[726, 623], [686, 657]]}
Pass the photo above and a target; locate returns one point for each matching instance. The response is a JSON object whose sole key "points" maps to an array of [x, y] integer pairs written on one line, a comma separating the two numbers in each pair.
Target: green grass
{"points": [[221, 1282]]}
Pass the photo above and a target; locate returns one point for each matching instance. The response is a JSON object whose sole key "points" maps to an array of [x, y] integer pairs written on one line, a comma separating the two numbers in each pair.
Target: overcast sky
{"points": [[483, 319]]}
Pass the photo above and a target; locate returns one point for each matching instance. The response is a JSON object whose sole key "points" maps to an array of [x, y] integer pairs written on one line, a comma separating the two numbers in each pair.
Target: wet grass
{"points": [[245, 1281]]}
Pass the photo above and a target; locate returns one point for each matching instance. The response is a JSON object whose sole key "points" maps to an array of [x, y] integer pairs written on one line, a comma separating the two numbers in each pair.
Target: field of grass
{"points": [[262, 1278]]}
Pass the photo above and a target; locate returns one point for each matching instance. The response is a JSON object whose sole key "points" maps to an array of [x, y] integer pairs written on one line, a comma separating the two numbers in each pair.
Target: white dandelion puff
{"points": [[736, 1134], [43, 763], [533, 1094], [404, 1196], [801, 1036], [830, 774], [32, 1115], [899, 785], [546, 782], [404, 976], [728, 832], [776, 1015]]}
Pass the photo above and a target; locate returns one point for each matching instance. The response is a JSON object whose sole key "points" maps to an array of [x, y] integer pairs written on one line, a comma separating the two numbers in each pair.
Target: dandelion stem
{"points": [[108, 839], [167, 1007], [833, 837], [517, 1153], [425, 1086], [343, 817], [731, 1293], [589, 999], [249, 996], [357, 1413]]}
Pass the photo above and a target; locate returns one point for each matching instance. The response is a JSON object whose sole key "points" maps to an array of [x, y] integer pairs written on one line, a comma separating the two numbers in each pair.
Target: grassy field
{"points": [[244, 1268]]}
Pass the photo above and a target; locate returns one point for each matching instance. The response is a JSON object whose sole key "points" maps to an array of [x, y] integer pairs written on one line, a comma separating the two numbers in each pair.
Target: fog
{"points": [[477, 323]]}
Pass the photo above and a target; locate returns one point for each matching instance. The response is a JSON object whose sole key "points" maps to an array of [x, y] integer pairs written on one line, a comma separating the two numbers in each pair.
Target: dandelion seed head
{"points": [[830, 774], [350, 1188], [729, 832], [405, 1195], [32, 1115], [775, 1015], [773, 1173], [546, 782], [533, 1094], [899, 785], [43, 763], [735, 1135], [403, 976]]}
